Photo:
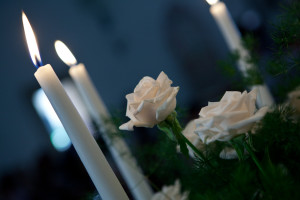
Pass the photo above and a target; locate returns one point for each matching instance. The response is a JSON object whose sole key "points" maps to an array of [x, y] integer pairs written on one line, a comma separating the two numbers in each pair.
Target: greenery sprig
{"points": [[285, 61], [229, 67]]}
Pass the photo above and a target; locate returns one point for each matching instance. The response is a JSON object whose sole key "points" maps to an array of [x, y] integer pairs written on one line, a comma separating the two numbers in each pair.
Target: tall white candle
{"points": [[233, 39], [126, 163], [89, 152]]}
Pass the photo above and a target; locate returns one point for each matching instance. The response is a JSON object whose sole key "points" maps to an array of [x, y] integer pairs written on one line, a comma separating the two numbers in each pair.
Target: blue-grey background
{"points": [[119, 42]]}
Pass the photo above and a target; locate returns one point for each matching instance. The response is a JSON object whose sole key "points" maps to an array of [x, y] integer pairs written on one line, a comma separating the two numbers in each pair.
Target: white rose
{"points": [[151, 102], [294, 100], [189, 133], [233, 115], [228, 153], [171, 192]]}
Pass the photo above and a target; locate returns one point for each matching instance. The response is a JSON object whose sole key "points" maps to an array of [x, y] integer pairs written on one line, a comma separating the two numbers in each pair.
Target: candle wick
{"points": [[39, 63], [72, 65]]}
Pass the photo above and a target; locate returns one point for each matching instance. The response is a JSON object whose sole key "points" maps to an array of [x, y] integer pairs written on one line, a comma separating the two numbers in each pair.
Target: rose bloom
{"points": [[151, 102], [233, 115], [294, 100], [171, 192]]}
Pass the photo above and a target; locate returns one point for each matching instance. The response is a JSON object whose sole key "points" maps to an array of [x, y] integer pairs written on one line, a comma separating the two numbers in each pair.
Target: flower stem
{"points": [[254, 158], [173, 129], [199, 153], [196, 151]]}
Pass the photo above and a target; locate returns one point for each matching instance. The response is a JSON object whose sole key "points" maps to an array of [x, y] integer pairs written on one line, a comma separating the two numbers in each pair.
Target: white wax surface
{"points": [[117, 146], [264, 96], [233, 39], [230, 32], [88, 150], [226, 24]]}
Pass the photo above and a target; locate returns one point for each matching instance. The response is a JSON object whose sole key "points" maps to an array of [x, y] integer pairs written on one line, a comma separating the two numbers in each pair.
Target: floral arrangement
{"points": [[243, 151], [234, 150]]}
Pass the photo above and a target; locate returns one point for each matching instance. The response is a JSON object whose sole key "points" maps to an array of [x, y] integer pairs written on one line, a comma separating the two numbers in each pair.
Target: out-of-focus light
{"points": [[58, 135], [60, 139], [45, 110]]}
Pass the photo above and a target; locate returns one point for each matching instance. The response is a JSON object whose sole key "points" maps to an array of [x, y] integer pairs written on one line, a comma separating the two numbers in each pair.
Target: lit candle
{"points": [[89, 152], [126, 163], [233, 39]]}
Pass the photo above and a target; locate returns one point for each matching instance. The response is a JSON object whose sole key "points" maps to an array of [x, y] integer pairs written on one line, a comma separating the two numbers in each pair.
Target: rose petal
{"points": [[161, 97], [146, 112], [223, 106], [168, 106], [127, 126], [163, 81], [148, 93], [228, 153], [144, 83], [130, 124], [171, 192], [258, 116], [131, 109]]}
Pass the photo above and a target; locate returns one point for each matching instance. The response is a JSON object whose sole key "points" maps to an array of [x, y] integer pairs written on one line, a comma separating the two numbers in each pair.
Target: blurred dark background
{"points": [[119, 42]]}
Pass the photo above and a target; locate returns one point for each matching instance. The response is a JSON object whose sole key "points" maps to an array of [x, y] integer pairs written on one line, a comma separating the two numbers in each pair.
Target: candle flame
{"points": [[64, 53], [212, 2], [31, 42]]}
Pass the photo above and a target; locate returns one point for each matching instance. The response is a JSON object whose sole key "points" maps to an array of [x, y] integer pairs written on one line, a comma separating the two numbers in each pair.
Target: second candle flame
{"points": [[64, 53], [212, 2]]}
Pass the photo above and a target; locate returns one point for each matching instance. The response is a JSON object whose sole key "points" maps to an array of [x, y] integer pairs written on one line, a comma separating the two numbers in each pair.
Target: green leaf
{"points": [[173, 130], [237, 144], [182, 144], [239, 150], [167, 129]]}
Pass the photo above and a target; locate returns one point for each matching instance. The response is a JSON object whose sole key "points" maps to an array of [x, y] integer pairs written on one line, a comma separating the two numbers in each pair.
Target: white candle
{"points": [[126, 163], [89, 152], [233, 39]]}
